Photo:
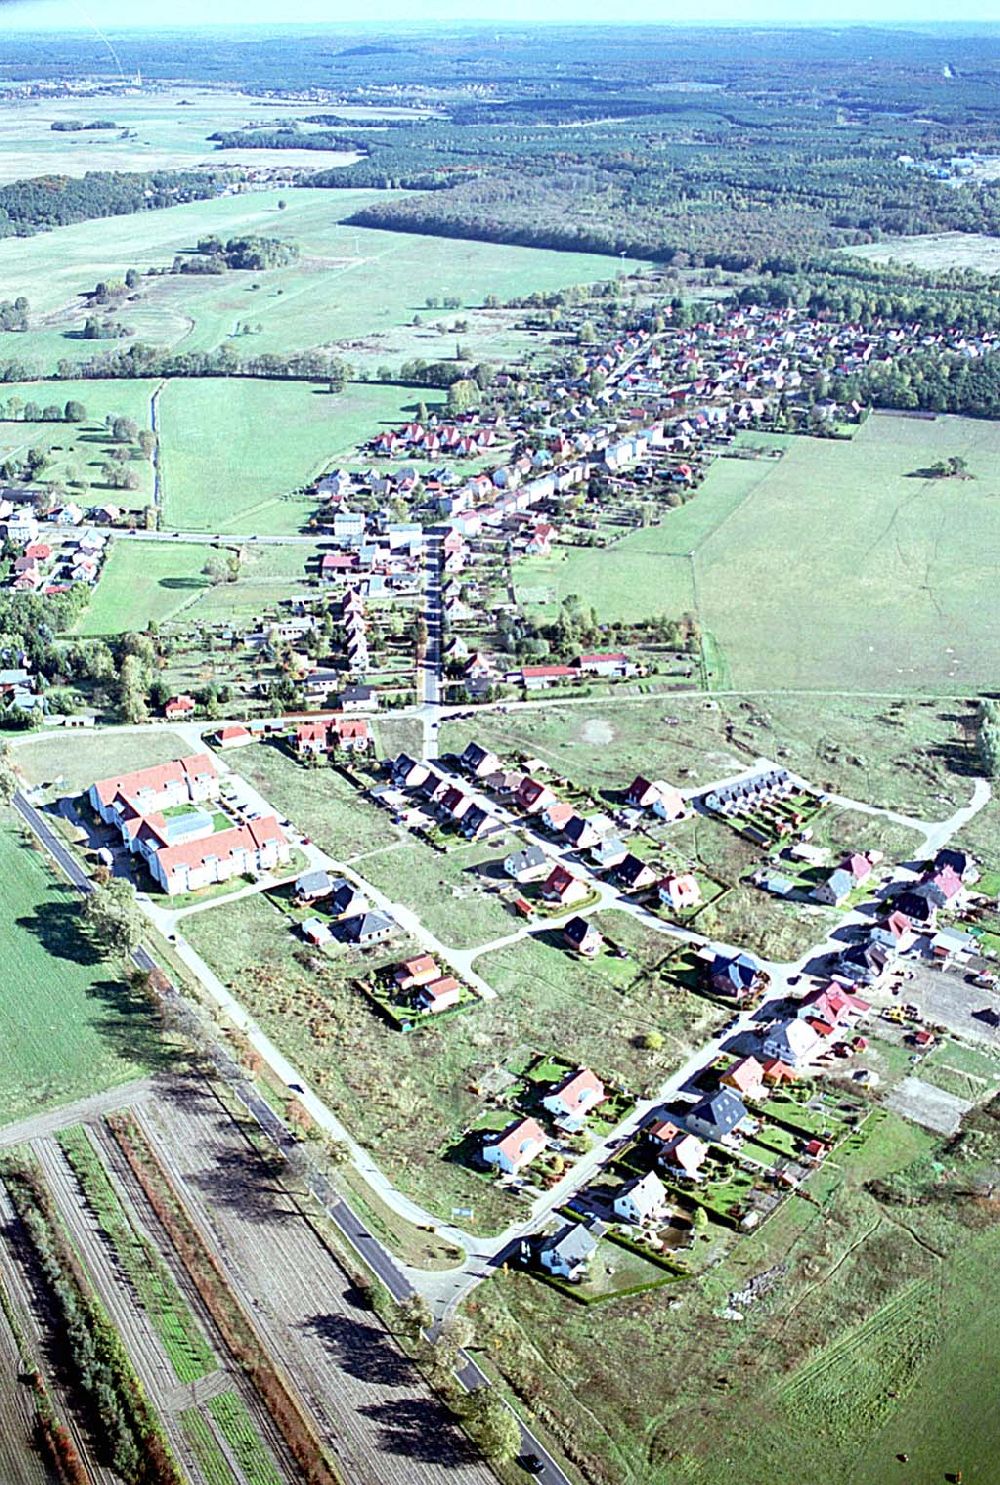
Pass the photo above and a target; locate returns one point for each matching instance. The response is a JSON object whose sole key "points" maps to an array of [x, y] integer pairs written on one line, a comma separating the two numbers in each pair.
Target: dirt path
{"points": [[376, 1414]]}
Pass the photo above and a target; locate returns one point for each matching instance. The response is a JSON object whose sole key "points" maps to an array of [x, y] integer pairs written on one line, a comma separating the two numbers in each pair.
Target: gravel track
{"points": [[375, 1412]]}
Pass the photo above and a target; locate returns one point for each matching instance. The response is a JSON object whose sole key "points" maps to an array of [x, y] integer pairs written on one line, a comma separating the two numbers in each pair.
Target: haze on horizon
{"points": [[96, 15]]}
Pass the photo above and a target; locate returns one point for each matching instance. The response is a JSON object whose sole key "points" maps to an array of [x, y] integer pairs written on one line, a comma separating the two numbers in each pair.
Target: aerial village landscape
{"points": [[508, 844]]}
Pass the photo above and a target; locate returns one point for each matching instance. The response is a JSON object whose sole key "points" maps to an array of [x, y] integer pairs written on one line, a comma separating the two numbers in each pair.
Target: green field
{"points": [[68, 1027], [163, 580], [836, 567], [232, 451], [79, 450], [78, 758]]}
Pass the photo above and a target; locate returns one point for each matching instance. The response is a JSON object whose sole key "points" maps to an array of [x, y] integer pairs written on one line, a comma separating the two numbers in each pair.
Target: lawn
{"points": [[319, 801], [68, 1026], [143, 581], [285, 432], [455, 893], [901, 563], [161, 580]]}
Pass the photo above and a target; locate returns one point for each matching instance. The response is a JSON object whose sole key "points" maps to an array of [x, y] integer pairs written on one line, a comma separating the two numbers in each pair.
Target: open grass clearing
{"points": [[912, 756], [77, 759], [143, 581], [319, 801], [77, 452], [68, 1024], [935, 250], [455, 892]]}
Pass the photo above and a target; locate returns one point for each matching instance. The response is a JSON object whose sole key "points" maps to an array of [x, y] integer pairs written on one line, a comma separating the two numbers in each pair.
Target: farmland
{"points": [[900, 562], [68, 1026]]}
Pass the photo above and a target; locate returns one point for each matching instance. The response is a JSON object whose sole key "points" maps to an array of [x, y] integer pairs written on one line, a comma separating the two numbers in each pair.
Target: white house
{"points": [[642, 1200]]}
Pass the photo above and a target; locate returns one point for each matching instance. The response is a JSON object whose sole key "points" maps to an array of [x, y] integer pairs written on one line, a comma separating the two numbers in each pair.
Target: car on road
{"points": [[533, 1463]]}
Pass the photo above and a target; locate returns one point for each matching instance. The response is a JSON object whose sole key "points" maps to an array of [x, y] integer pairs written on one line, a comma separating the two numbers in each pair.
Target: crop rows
{"points": [[237, 1428], [190, 1354], [234, 1325], [211, 1460], [119, 1413]]}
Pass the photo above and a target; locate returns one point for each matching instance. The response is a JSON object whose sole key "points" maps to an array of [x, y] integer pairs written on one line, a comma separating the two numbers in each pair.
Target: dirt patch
{"points": [[924, 1104], [598, 731]]}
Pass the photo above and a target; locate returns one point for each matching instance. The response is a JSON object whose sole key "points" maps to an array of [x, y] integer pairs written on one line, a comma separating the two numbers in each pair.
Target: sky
{"points": [[76, 15]]}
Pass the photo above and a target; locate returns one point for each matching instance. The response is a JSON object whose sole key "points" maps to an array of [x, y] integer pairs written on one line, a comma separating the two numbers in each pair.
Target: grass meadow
{"points": [[936, 250], [68, 1027], [837, 567], [232, 451], [77, 451], [144, 580]]}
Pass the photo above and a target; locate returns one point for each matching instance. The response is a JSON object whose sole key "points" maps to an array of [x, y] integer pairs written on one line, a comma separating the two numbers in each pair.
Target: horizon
{"points": [[42, 17]]}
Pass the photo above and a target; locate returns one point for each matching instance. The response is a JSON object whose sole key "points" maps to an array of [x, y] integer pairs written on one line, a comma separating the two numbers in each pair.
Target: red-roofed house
{"points": [[538, 677], [311, 739], [576, 1095], [516, 1147], [439, 995], [679, 891], [253, 848], [532, 796], [231, 737], [606, 663], [833, 1005], [558, 815], [563, 887], [684, 1151], [746, 1076], [413, 973], [179, 707], [186, 780]]}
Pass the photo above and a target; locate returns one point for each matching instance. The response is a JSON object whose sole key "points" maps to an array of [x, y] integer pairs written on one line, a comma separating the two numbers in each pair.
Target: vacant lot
{"points": [[912, 756], [318, 800], [76, 759], [852, 1354], [936, 250], [67, 1024], [144, 581]]}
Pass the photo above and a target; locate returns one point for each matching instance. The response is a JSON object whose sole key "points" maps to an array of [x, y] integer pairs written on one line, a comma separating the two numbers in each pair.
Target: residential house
{"points": [[556, 816], [407, 773], [572, 1099], [251, 849], [350, 734], [179, 707], [311, 886], [684, 1152], [413, 973], [580, 935], [717, 1117], [541, 677], [516, 1147], [836, 889], [533, 796], [358, 699], [745, 1077], [581, 833], [310, 739], [569, 1254], [476, 822], [641, 1201], [949, 946], [346, 901], [679, 891], [634, 874], [368, 928], [528, 865], [439, 995], [794, 1042], [960, 862], [609, 852], [921, 904], [236, 736], [778, 1074], [736, 977], [478, 761], [562, 887], [151, 790]]}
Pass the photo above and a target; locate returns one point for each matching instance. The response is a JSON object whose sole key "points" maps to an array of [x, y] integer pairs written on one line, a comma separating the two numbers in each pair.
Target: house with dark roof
{"points": [[737, 977], [478, 761], [312, 885], [528, 865], [369, 928], [581, 936], [717, 1116], [634, 874]]}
